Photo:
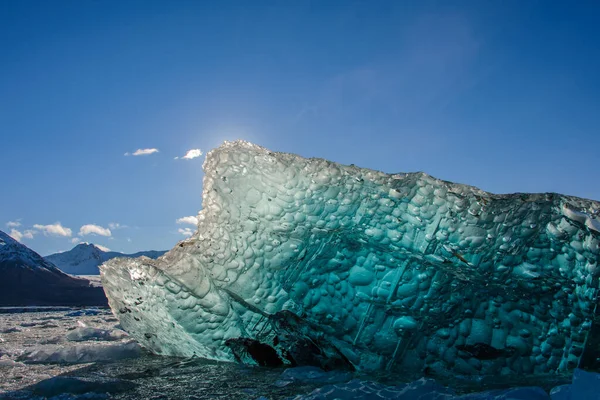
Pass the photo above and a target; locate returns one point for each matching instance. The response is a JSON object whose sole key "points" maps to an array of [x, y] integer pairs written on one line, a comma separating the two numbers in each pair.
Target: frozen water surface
{"points": [[145, 376], [38, 345], [127, 374]]}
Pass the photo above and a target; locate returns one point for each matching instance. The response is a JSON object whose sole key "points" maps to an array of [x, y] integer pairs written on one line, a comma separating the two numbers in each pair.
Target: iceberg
{"points": [[307, 262]]}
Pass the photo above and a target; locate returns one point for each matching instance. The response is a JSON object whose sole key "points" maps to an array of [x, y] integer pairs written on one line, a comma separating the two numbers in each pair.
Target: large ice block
{"points": [[304, 261]]}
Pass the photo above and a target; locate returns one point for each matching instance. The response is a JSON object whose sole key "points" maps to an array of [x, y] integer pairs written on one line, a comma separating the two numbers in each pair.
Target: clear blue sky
{"points": [[504, 95]]}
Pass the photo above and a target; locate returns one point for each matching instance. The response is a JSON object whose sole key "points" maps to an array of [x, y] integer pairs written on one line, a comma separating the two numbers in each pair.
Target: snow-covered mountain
{"points": [[26, 279], [85, 258]]}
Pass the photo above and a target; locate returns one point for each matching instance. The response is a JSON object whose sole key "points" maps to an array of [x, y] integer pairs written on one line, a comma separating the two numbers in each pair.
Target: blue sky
{"points": [[504, 95]]}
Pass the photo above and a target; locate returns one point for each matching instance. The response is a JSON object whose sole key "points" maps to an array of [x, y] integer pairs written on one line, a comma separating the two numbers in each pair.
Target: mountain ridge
{"points": [[85, 258], [27, 279]]}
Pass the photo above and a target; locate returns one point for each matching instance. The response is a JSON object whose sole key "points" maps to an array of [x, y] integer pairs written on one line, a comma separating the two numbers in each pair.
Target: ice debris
{"points": [[85, 311], [89, 333], [82, 353], [5, 361], [61, 385], [306, 262]]}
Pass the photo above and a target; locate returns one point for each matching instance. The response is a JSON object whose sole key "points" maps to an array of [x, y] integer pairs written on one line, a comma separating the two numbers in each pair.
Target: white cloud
{"points": [[55, 229], [76, 240], [192, 220], [142, 152], [186, 231], [15, 234], [103, 248], [191, 154], [13, 224], [19, 236], [94, 229]]}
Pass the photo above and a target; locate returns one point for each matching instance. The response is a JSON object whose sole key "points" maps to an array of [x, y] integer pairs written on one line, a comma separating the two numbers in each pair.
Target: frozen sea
{"points": [[65, 353], [88, 353]]}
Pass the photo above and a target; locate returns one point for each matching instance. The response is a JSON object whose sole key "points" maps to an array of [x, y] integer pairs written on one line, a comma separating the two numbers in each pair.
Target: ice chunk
{"points": [[85, 311], [80, 353], [7, 362], [306, 262], [88, 333], [12, 329], [61, 385]]}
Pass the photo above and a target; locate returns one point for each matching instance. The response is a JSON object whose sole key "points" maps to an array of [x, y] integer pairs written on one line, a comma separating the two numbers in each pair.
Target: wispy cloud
{"points": [[192, 220], [115, 225], [76, 240], [191, 154], [103, 248], [55, 229], [90, 229], [17, 234], [186, 231], [142, 152]]}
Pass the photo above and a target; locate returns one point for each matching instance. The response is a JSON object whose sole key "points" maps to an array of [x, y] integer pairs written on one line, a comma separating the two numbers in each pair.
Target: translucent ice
{"points": [[306, 262]]}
